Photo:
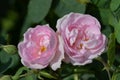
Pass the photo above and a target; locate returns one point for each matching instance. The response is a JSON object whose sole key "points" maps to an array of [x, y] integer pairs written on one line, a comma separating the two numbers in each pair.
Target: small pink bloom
{"points": [[82, 38], [40, 48]]}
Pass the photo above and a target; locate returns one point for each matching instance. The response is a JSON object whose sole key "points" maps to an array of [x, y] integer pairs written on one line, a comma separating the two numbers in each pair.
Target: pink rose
{"points": [[82, 38], [41, 48]]}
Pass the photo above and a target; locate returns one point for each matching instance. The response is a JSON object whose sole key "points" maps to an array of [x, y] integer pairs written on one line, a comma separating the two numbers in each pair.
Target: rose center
{"points": [[44, 43], [80, 46], [43, 48]]}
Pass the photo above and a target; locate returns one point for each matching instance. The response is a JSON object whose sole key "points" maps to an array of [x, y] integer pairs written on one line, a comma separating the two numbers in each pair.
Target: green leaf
{"points": [[116, 25], [70, 77], [37, 10], [29, 77], [6, 77], [101, 3], [5, 66], [116, 76], [107, 30], [111, 49], [104, 13], [112, 20], [47, 75], [117, 31], [7, 61], [19, 72], [114, 4], [115, 8], [15, 60], [4, 57], [10, 49], [67, 6]]}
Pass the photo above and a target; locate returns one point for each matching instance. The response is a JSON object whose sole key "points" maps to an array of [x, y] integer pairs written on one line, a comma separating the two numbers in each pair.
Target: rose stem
{"points": [[75, 75]]}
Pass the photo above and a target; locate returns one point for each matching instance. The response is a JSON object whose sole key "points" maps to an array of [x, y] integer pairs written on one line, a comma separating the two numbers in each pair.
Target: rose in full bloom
{"points": [[41, 48], [82, 38]]}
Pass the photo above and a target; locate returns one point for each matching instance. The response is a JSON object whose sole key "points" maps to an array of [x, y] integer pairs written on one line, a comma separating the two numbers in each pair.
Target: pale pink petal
{"points": [[59, 56], [82, 38], [33, 66], [86, 62], [38, 47]]}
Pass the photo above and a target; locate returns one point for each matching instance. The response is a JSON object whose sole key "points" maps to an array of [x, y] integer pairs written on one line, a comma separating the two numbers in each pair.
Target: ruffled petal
{"points": [[59, 56]]}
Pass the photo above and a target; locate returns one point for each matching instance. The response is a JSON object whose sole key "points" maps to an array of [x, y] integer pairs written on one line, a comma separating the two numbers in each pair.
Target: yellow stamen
{"points": [[42, 48], [81, 45]]}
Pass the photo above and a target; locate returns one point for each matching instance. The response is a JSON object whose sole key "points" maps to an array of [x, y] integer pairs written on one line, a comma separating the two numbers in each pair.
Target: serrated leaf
{"points": [[67, 6], [111, 49], [37, 10]]}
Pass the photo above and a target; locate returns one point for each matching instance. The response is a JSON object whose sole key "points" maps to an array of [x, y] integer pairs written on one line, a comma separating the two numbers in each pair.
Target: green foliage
{"points": [[9, 21], [105, 14], [115, 17], [6, 77], [37, 10], [47, 75], [19, 72], [10, 49], [7, 61], [116, 74], [111, 49], [115, 4], [116, 24], [29, 77], [116, 77], [117, 31], [67, 6]]}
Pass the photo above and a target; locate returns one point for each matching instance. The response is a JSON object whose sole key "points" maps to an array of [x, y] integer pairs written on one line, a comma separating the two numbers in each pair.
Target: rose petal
{"points": [[82, 38], [59, 56], [33, 66]]}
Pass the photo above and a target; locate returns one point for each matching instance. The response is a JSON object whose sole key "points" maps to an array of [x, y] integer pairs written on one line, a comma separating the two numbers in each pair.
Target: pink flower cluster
{"points": [[78, 40]]}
